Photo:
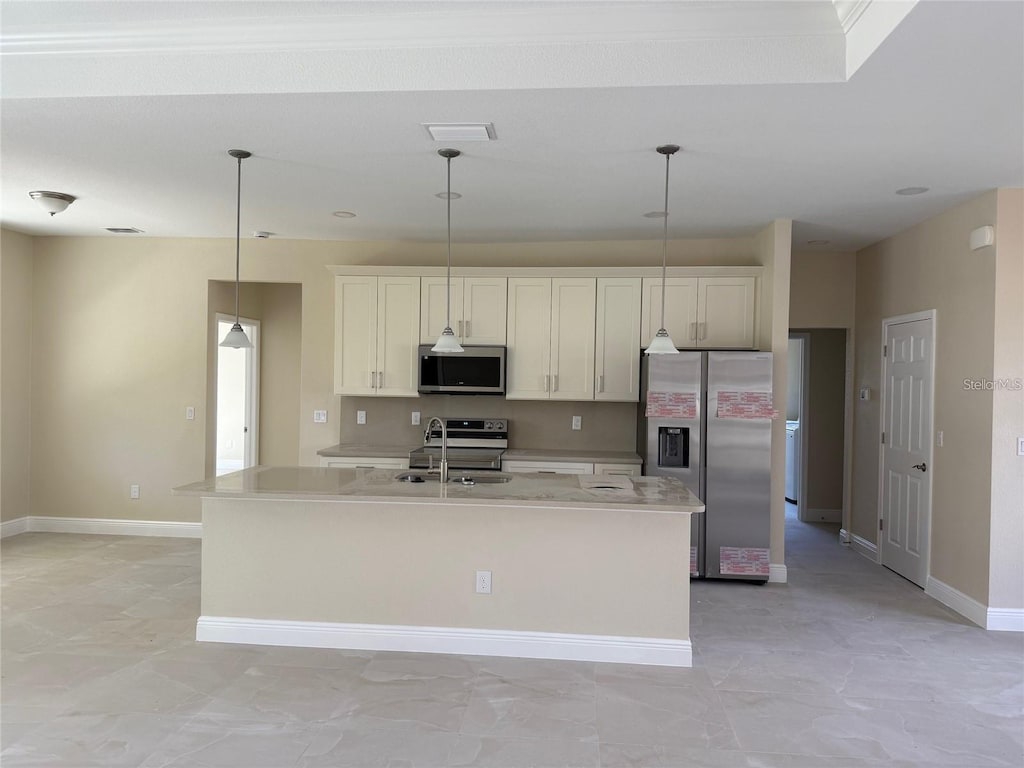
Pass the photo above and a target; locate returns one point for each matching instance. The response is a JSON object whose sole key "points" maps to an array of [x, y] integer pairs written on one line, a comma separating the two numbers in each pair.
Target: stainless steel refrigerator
{"points": [[705, 418]]}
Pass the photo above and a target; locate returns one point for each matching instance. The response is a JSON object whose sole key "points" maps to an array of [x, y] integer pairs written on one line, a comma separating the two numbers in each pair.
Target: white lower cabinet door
{"points": [[548, 467], [351, 462], [528, 372]]}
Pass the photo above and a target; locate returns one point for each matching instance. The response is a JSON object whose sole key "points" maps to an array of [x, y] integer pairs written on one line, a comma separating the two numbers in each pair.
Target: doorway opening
{"points": [[238, 384]]}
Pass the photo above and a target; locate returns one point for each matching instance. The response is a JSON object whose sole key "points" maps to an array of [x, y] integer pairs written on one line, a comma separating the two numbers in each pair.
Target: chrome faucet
{"points": [[444, 445]]}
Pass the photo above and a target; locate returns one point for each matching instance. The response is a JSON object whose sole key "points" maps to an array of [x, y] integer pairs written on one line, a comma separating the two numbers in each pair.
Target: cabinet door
{"points": [[680, 310], [484, 307], [630, 470], [358, 463], [433, 307], [527, 375], [355, 335], [573, 307], [617, 353], [398, 335], [548, 467], [725, 312]]}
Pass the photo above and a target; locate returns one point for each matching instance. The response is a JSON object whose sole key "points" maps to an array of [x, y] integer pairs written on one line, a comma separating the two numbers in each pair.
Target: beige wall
{"points": [[1006, 568], [15, 374], [774, 243], [822, 290], [121, 343], [930, 266], [826, 394], [280, 365]]}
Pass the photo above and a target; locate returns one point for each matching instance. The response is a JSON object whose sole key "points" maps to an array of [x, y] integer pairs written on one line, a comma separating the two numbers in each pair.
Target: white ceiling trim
{"points": [[867, 24]]}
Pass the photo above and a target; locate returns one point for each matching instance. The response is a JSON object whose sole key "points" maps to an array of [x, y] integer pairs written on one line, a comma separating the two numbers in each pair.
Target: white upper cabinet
{"points": [[376, 333], [551, 338], [725, 312], [617, 348], [478, 312], [680, 310], [702, 312]]}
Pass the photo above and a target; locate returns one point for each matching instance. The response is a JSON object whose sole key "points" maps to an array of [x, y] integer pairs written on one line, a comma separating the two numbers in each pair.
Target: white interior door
{"points": [[906, 461], [238, 376]]}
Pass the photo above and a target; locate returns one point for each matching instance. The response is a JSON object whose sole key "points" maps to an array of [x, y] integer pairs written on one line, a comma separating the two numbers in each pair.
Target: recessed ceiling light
{"points": [[818, 242], [124, 230], [912, 191], [448, 195], [344, 214], [460, 131], [654, 215]]}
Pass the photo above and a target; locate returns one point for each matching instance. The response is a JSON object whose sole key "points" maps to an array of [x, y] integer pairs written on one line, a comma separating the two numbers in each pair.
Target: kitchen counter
{"points": [[644, 494], [361, 450], [587, 456], [352, 558]]}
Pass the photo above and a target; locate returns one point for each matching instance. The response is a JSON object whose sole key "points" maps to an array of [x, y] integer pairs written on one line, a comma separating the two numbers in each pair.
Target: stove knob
{"points": [[500, 425], [488, 425]]}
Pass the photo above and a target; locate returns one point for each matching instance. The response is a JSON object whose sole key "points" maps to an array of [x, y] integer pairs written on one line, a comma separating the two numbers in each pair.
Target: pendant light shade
{"points": [[446, 342], [236, 337], [662, 343]]}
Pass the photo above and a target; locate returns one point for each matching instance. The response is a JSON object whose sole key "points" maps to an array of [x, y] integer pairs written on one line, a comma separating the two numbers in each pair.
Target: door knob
{"points": [[922, 466]]}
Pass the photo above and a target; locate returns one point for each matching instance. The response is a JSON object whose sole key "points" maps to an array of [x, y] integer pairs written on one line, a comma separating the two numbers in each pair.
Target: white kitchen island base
{"points": [[595, 581]]}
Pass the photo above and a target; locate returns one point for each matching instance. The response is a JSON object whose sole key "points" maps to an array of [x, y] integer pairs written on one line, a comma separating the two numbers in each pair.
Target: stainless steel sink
{"points": [[460, 478]]}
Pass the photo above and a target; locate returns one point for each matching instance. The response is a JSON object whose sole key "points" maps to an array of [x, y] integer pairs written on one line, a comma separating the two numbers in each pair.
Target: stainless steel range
{"points": [[472, 444]]}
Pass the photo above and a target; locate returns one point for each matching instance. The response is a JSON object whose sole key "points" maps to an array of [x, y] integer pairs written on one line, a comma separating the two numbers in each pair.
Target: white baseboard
{"points": [[953, 598], [777, 573], [457, 640], [844, 536], [1005, 619], [867, 548], [42, 524], [14, 527], [823, 515]]}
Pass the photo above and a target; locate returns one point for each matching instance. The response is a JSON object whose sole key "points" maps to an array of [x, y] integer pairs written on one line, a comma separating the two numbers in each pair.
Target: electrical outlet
{"points": [[483, 582], [938, 439], [133, 491], [319, 417], [577, 422], [360, 417], [190, 413], [415, 418]]}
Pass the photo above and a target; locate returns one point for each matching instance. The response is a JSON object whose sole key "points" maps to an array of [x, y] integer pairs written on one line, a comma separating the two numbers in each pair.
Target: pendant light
{"points": [[447, 342], [236, 337], [662, 343]]}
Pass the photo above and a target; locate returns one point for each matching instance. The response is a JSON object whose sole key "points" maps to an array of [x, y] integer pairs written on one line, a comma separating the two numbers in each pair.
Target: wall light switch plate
{"points": [[577, 422], [938, 439], [190, 413], [865, 393], [360, 417], [1020, 446], [133, 491], [415, 418], [319, 417]]}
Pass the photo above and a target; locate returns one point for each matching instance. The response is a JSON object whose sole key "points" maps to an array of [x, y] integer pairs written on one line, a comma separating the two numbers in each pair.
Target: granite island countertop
{"points": [[648, 494]]}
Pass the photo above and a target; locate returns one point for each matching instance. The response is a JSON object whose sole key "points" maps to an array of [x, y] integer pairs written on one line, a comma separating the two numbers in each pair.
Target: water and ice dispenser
{"points": [[674, 447]]}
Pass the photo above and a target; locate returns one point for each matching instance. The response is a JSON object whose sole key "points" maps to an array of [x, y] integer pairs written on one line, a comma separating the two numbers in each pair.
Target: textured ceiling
{"points": [[778, 133]]}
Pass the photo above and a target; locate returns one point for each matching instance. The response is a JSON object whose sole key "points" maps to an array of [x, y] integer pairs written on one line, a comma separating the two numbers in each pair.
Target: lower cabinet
{"points": [[549, 467], [353, 462]]}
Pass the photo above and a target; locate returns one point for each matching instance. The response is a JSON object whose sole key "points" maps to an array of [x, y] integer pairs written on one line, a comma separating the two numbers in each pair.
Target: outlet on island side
{"points": [[483, 582]]}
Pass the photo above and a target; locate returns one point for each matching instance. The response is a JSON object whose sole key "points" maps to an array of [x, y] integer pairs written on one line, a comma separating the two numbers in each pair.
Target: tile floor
{"points": [[847, 665]]}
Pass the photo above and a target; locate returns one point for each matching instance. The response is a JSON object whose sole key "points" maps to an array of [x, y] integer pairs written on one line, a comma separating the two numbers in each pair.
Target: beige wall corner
{"points": [[1006, 567], [822, 290], [931, 266], [774, 245], [15, 374]]}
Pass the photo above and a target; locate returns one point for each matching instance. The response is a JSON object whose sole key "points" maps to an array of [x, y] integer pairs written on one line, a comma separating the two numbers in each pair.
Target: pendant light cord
{"points": [[448, 283], [664, 243], [238, 234]]}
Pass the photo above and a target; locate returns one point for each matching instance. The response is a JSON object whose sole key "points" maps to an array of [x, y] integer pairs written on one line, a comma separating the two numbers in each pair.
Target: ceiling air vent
{"points": [[124, 230], [461, 131]]}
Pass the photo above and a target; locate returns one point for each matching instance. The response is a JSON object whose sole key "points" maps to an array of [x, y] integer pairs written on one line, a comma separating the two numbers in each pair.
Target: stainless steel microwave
{"points": [[479, 370]]}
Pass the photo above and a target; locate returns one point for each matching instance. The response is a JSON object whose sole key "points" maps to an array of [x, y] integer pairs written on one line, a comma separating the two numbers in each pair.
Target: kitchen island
{"points": [[354, 558]]}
